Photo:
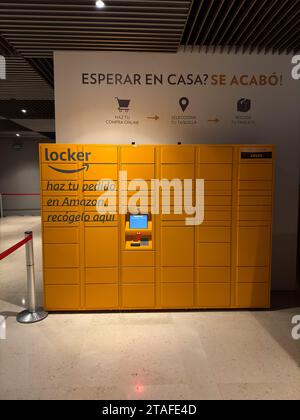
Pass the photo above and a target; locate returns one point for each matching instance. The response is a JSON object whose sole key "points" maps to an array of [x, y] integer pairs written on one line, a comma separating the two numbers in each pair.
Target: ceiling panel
{"points": [[23, 82], [36, 28], [244, 25]]}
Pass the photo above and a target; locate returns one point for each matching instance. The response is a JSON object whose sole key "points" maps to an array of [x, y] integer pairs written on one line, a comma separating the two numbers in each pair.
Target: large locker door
{"points": [[101, 267], [177, 240], [254, 231], [177, 271], [137, 274], [214, 238]]}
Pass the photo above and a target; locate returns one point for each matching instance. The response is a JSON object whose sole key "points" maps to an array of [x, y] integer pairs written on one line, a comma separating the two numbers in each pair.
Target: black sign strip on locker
{"points": [[256, 155]]}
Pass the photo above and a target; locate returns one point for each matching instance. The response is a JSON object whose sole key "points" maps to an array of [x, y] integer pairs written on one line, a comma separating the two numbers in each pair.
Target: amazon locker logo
{"points": [[68, 156]]}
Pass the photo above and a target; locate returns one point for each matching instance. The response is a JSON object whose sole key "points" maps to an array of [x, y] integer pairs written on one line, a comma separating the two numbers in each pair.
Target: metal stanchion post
{"points": [[32, 314], [1, 206]]}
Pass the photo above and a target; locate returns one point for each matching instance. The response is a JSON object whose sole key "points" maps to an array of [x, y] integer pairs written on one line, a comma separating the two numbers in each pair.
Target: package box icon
{"points": [[244, 105]]}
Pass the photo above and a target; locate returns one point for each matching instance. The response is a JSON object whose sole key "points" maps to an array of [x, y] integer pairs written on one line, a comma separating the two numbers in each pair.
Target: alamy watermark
{"points": [[2, 68], [296, 328], [159, 196], [2, 327], [296, 68]]}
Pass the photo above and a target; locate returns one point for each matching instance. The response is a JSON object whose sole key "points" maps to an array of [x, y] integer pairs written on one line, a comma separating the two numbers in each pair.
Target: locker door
{"points": [[177, 260], [254, 246], [177, 245], [101, 254], [101, 246]]}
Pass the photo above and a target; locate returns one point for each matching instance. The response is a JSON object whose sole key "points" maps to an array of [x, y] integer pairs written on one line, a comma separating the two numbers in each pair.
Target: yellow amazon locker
{"points": [[107, 261]]}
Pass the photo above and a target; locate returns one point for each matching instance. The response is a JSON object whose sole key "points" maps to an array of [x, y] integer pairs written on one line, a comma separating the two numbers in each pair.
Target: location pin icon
{"points": [[184, 103]]}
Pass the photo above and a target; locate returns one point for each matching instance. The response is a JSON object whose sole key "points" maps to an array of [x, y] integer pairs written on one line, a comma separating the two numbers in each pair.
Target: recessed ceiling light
{"points": [[18, 135], [24, 111], [100, 4]]}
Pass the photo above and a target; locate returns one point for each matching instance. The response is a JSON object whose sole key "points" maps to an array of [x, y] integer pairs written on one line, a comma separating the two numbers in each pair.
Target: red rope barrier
{"points": [[12, 249]]}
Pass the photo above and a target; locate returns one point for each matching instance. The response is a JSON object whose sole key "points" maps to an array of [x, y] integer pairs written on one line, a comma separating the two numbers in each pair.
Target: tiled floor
{"points": [[191, 355]]}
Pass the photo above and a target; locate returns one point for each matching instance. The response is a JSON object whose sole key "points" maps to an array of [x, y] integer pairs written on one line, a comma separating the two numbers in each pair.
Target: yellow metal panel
{"points": [[217, 215], [138, 171], [101, 219], [177, 246], [61, 298], [222, 223], [60, 203], [60, 219], [101, 275], [91, 206], [214, 295], [249, 200], [180, 171], [101, 296], [255, 193], [141, 193], [177, 154], [253, 295], [138, 259], [255, 215], [138, 296], [211, 154], [253, 274], [174, 217], [217, 209], [138, 209], [59, 276], [101, 246], [256, 186], [188, 193], [137, 275], [68, 235], [217, 200], [256, 172], [215, 172], [214, 234], [174, 223], [57, 188], [61, 255], [101, 154], [177, 274], [254, 245], [213, 274], [217, 187], [217, 255], [255, 223], [255, 209], [177, 295], [98, 171], [137, 154], [146, 185], [97, 188]]}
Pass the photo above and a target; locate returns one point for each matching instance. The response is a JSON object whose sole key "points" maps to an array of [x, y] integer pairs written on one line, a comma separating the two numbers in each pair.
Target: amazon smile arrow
{"points": [[85, 166]]}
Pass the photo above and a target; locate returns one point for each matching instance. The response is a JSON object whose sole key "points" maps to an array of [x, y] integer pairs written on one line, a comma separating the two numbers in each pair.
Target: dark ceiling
{"points": [[31, 30]]}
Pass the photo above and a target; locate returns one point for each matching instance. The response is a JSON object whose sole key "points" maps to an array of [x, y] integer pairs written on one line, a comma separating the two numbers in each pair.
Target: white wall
{"points": [[83, 112]]}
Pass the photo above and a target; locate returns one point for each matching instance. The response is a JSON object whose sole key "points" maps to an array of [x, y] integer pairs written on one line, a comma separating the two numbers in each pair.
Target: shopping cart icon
{"points": [[123, 104]]}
